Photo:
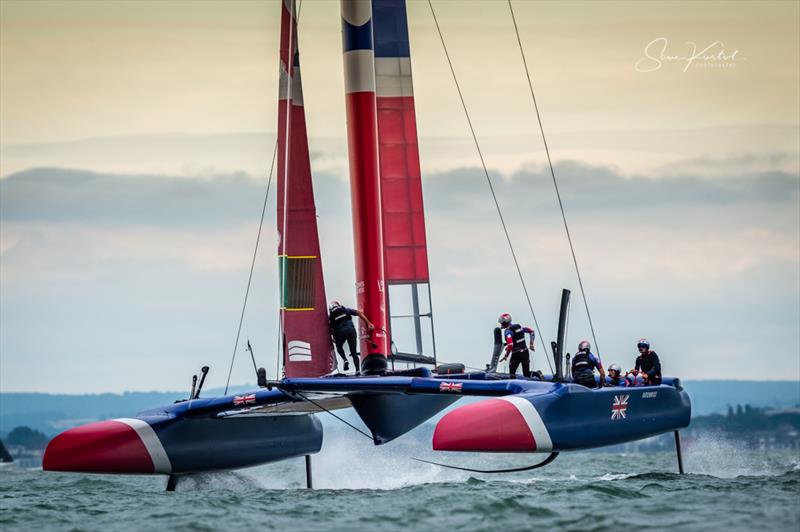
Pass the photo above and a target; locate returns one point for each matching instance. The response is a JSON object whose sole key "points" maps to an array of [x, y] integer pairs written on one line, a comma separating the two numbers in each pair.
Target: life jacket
{"points": [[339, 318], [517, 338], [582, 366]]}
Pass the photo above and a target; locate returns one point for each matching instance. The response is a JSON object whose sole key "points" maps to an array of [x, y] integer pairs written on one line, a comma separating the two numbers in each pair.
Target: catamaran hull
{"points": [[170, 445], [570, 418]]}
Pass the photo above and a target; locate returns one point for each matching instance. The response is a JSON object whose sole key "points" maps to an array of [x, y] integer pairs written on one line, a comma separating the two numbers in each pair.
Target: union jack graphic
{"points": [[619, 407], [240, 400], [450, 387]]}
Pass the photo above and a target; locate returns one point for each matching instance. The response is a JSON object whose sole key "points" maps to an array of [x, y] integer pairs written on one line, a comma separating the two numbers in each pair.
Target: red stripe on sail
{"points": [[405, 246]]}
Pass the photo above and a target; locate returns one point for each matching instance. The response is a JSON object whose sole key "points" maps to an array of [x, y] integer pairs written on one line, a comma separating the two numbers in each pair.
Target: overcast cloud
{"points": [[115, 282]]}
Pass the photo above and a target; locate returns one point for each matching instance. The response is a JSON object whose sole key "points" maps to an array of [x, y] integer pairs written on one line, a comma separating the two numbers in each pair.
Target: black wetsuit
{"points": [[344, 330], [651, 365], [519, 350]]}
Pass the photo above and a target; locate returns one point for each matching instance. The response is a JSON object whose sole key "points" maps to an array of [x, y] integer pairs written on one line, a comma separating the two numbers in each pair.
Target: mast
{"points": [[365, 186]]}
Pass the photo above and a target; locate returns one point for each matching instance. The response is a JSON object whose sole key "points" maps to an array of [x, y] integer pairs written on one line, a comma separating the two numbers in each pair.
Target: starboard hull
{"points": [[563, 418]]}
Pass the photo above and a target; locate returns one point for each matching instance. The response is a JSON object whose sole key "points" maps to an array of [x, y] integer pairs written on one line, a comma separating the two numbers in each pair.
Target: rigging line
{"points": [[252, 267], [313, 402], [491, 186], [555, 182]]}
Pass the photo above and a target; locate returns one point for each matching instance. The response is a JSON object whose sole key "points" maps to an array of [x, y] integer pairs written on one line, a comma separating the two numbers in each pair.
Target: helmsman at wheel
{"points": [[343, 330]]}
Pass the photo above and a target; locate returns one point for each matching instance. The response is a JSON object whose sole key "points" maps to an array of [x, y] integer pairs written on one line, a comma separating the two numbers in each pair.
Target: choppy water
{"points": [[366, 488]]}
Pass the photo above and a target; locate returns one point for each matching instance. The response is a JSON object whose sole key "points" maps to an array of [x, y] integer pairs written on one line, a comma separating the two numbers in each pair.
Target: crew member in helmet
{"points": [[615, 376], [516, 346], [343, 330], [583, 365], [648, 363]]}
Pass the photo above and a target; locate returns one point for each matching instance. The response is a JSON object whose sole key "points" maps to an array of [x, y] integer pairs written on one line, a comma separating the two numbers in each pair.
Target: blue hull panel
{"points": [[580, 418], [207, 443]]}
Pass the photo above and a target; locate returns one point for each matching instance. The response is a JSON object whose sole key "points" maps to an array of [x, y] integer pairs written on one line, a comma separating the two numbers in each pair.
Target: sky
{"points": [[136, 137]]}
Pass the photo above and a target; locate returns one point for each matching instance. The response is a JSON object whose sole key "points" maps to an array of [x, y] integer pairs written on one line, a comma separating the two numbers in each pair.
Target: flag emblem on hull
{"points": [[241, 400], [619, 407], [450, 387]]}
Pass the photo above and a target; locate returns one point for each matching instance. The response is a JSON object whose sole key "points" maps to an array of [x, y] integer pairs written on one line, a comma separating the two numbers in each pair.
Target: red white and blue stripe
{"points": [[405, 246]]}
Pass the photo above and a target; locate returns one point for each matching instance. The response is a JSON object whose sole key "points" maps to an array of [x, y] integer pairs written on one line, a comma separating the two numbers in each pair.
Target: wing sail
{"points": [[405, 246]]}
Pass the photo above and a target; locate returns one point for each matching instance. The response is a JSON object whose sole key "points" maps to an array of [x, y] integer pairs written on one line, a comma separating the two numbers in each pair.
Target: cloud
{"points": [[58, 194], [152, 268]]}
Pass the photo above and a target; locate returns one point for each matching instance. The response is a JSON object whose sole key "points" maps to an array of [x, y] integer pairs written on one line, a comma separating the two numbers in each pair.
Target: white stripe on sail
{"points": [[393, 76], [359, 71]]}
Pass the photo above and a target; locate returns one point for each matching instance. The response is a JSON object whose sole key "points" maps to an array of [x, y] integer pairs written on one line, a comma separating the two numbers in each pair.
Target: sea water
{"points": [[361, 487]]}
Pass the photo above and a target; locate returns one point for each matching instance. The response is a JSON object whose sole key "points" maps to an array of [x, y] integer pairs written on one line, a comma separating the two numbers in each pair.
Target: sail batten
{"points": [[306, 341]]}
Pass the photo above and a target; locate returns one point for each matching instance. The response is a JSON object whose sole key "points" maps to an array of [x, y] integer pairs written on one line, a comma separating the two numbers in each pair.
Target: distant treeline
{"points": [[749, 418], [755, 428], [28, 438]]}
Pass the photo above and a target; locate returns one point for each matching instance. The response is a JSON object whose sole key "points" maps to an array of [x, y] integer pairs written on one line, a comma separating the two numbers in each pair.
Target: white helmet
{"points": [[614, 367], [334, 304], [584, 345]]}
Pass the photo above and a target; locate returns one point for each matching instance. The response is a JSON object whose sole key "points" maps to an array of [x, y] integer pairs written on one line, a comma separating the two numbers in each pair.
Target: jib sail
{"points": [[307, 348]]}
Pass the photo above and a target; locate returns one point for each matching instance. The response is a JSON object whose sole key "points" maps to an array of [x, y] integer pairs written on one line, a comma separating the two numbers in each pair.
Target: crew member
{"points": [[583, 365], [516, 346], [648, 363], [343, 330], [634, 378], [615, 376]]}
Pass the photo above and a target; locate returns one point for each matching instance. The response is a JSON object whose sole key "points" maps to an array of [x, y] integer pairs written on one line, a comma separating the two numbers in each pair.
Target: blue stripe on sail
{"points": [[391, 28], [356, 37]]}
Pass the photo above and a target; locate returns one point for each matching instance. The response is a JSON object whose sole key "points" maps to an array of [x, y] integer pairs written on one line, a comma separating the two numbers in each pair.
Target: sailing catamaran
{"points": [[278, 421]]}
